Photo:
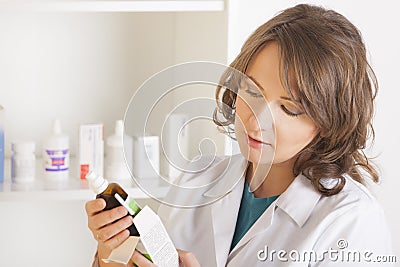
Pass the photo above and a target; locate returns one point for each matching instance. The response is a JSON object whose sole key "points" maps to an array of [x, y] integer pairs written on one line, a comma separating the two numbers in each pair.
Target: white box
{"points": [[91, 149], [146, 157], [175, 142]]}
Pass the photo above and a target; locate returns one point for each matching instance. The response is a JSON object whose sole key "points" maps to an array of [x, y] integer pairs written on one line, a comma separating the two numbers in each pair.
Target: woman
{"points": [[309, 207]]}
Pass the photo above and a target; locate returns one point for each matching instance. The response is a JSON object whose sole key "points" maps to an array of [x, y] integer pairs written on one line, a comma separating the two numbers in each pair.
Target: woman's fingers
{"points": [[111, 230], [116, 240], [108, 227], [141, 260], [104, 218], [94, 206], [187, 259]]}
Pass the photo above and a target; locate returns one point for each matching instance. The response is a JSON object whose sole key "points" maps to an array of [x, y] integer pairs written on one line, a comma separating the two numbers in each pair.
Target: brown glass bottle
{"points": [[112, 202], [106, 191]]}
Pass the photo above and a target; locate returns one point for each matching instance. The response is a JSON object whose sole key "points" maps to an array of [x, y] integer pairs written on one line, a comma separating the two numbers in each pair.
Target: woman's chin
{"points": [[257, 157]]}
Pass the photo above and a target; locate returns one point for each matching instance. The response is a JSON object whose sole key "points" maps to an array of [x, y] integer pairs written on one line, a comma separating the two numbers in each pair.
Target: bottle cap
{"points": [[96, 182]]}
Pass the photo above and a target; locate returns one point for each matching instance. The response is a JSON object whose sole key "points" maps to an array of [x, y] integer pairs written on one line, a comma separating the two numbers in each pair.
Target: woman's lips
{"points": [[255, 143]]}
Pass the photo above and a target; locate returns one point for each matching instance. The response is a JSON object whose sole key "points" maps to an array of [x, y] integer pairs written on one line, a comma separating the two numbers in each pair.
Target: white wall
{"points": [[201, 37], [378, 21], [80, 67], [85, 67]]}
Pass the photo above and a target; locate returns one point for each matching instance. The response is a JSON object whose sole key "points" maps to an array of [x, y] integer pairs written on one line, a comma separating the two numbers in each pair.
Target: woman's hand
{"points": [[186, 259], [108, 227]]}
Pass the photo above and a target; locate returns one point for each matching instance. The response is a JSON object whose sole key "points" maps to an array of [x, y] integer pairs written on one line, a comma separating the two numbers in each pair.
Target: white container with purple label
{"points": [[56, 154]]}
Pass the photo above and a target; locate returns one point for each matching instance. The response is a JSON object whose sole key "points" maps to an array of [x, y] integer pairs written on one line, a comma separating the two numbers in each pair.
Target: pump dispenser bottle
{"points": [[108, 191]]}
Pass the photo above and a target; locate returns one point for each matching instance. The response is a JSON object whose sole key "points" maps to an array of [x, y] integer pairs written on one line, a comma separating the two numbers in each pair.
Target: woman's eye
{"points": [[290, 113], [252, 93]]}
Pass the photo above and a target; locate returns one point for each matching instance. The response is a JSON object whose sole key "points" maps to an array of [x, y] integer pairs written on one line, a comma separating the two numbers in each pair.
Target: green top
{"points": [[250, 210]]}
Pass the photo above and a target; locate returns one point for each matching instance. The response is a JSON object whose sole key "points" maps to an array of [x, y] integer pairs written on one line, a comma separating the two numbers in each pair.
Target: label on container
{"points": [[23, 168], [1, 154], [91, 149], [56, 160]]}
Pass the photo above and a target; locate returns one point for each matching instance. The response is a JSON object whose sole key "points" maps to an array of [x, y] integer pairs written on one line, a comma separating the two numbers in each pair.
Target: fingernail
{"points": [[127, 233], [130, 221], [102, 203]]}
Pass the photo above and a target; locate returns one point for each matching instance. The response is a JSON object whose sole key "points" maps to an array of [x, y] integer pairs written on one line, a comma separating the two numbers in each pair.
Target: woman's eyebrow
{"points": [[259, 86], [255, 81], [289, 99]]}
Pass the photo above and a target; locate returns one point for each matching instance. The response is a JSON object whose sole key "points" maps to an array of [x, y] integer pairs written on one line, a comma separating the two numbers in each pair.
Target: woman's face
{"points": [[264, 112]]}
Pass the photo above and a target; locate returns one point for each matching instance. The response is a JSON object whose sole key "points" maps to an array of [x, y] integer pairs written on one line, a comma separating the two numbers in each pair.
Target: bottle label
{"points": [[23, 168], [1, 153], [56, 160]]}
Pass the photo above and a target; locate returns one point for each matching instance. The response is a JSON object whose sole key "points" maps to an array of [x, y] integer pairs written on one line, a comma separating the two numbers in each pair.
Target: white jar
{"points": [[23, 162]]}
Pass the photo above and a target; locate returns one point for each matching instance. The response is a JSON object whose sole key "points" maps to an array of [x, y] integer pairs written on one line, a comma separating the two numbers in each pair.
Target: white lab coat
{"points": [[300, 220]]}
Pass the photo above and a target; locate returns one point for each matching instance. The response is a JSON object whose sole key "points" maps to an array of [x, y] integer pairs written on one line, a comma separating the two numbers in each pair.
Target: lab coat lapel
{"points": [[224, 215], [300, 188], [225, 210], [261, 225]]}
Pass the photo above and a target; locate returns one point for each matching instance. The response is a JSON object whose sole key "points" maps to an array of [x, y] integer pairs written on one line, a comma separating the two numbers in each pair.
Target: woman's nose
{"points": [[261, 118]]}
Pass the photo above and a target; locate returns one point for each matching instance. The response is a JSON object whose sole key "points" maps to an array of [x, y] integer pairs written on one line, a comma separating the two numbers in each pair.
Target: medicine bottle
{"points": [[107, 191], [23, 162], [56, 153], [118, 147]]}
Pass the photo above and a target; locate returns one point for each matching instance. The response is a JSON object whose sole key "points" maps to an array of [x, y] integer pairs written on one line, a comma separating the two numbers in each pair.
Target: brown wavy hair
{"points": [[324, 67]]}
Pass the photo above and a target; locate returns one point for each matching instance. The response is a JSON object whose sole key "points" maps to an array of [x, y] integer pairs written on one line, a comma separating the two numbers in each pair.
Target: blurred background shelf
{"points": [[71, 189]]}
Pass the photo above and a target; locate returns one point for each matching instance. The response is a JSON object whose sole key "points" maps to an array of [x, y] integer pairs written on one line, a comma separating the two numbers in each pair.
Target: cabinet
{"points": [[83, 67]]}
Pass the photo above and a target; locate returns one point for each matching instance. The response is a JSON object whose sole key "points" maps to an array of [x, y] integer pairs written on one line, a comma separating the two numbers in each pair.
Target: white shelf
{"points": [[114, 6], [71, 189]]}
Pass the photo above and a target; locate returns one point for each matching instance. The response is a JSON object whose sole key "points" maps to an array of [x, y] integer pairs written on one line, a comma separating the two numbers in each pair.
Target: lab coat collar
{"points": [[233, 170], [299, 199]]}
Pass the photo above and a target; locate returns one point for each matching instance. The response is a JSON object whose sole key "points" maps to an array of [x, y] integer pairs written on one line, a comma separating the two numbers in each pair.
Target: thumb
{"points": [[187, 259]]}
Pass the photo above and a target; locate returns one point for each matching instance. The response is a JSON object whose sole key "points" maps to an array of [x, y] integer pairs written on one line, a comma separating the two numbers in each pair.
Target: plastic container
{"points": [[118, 148], [56, 154], [23, 162], [1, 144]]}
